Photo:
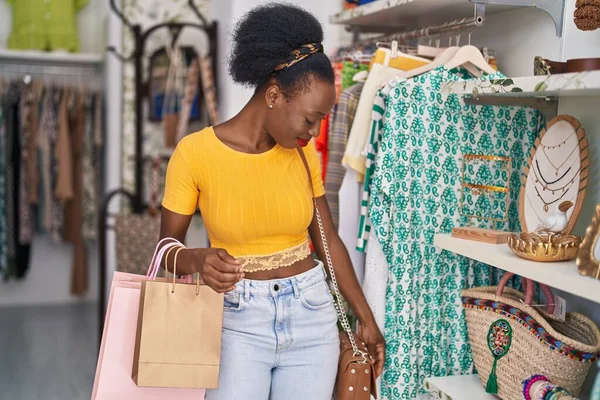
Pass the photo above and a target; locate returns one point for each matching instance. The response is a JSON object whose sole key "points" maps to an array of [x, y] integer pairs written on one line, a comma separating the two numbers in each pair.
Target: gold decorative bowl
{"points": [[544, 248]]}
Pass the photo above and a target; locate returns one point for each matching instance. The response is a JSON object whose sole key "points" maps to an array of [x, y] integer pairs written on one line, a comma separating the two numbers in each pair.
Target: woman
{"points": [[280, 337]]}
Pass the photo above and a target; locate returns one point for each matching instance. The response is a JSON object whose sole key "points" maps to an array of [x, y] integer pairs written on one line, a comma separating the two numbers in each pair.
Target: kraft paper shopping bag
{"points": [[178, 342], [113, 373]]}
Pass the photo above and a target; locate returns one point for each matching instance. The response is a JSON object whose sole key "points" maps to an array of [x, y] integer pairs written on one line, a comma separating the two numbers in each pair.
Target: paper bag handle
{"points": [[157, 258], [179, 248]]}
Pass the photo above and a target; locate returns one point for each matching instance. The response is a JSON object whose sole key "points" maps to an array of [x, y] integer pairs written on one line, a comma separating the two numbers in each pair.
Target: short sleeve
{"points": [[314, 163], [181, 184]]}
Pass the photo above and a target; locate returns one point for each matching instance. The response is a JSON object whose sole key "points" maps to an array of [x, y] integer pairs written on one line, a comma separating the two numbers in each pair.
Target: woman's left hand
{"points": [[375, 342]]}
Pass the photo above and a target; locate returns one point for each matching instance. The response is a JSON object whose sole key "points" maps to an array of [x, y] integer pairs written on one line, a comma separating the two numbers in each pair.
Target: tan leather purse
{"points": [[356, 373]]}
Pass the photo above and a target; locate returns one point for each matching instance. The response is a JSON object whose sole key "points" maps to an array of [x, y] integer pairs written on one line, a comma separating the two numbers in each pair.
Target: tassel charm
{"points": [[499, 341], [492, 382]]}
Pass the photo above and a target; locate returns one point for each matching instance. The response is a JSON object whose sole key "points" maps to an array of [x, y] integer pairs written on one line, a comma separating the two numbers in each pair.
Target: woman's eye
{"points": [[309, 122]]}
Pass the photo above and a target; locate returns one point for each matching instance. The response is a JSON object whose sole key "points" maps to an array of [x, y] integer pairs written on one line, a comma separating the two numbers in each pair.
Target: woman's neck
{"points": [[245, 131]]}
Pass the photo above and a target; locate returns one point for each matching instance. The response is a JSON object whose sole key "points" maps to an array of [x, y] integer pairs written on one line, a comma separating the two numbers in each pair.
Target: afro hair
{"points": [[266, 36]]}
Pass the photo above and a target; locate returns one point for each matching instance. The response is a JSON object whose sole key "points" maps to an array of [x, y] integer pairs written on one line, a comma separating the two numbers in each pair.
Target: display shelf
{"points": [[461, 387], [560, 85], [560, 275], [386, 15], [54, 57]]}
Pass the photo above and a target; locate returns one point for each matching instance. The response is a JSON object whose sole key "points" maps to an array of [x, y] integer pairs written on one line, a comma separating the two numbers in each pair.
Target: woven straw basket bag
{"points": [[511, 341]]}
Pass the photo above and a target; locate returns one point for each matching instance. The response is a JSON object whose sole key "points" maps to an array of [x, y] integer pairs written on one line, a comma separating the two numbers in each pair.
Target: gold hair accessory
{"points": [[300, 54]]}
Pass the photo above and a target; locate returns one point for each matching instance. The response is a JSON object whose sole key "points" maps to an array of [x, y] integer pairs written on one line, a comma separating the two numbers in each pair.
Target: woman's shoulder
{"points": [[200, 138]]}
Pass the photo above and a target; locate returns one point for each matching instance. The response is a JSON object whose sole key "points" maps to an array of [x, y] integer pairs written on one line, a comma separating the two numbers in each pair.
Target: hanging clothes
{"points": [[371, 151], [342, 121], [359, 134], [91, 175], [32, 146], [47, 125], [73, 214], [25, 214], [63, 153], [322, 145], [350, 69], [414, 195], [209, 88], [50, 170], [348, 224], [14, 251], [374, 284], [3, 227]]}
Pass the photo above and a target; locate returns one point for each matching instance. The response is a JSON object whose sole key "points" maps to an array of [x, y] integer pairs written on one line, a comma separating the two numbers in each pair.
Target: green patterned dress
{"points": [[415, 194]]}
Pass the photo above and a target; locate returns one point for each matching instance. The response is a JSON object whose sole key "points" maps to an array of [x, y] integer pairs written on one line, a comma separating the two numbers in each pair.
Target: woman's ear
{"points": [[272, 95]]}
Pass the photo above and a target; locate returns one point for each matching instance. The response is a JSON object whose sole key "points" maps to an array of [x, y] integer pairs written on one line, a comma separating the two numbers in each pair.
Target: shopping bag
{"points": [[178, 341], [113, 372]]}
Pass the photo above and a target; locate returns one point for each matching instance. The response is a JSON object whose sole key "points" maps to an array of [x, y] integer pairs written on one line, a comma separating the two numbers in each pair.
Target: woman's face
{"points": [[293, 122]]}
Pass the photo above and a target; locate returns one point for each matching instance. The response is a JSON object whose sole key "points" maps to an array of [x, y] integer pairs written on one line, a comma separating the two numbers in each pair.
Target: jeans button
{"points": [[276, 287]]}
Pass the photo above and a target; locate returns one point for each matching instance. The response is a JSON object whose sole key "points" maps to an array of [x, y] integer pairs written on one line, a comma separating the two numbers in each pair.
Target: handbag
{"points": [[136, 234], [512, 341], [356, 373]]}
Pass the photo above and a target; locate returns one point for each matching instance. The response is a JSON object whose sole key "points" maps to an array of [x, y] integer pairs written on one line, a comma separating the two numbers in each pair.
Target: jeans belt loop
{"points": [[247, 291], [296, 289]]}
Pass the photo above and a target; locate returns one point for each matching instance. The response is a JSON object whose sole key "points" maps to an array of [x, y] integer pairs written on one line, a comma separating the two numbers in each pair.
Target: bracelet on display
{"points": [[556, 393], [528, 384], [544, 390]]}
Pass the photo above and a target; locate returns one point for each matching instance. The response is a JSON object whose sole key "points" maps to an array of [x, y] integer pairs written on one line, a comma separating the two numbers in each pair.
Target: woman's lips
{"points": [[303, 142]]}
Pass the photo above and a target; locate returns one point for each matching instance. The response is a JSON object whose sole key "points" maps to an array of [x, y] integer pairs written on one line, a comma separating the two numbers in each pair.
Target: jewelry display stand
{"points": [[499, 187], [557, 172]]}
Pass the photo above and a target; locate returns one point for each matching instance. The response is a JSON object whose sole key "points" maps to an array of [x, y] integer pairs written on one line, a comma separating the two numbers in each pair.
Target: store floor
{"points": [[48, 352]]}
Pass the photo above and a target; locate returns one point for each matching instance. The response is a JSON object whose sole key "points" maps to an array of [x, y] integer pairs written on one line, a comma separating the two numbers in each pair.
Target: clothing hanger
{"points": [[440, 60], [388, 54], [469, 67], [470, 55], [429, 50]]}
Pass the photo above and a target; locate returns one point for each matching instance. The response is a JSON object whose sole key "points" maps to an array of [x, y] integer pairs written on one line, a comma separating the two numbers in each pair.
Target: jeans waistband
{"points": [[284, 286]]}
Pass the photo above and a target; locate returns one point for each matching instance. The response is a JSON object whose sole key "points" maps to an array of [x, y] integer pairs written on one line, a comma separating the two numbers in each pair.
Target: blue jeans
{"points": [[280, 340]]}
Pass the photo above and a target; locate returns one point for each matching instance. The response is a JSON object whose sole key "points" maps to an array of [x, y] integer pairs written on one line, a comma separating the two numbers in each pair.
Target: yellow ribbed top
{"points": [[251, 204]]}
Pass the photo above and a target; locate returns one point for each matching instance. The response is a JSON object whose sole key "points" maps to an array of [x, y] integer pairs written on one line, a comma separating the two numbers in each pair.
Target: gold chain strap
{"points": [[338, 303]]}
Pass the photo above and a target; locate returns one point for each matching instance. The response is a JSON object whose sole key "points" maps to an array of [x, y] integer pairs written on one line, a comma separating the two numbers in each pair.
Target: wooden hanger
{"points": [[429, 51], [440, 60], [470, 55]]}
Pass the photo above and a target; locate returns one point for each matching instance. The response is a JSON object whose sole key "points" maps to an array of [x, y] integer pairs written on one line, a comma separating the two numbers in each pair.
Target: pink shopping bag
{"points": [[113, 372]]}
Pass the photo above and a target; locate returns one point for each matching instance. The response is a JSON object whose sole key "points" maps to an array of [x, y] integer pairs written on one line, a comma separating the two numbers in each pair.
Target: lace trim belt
{"points": [[283, 258]]}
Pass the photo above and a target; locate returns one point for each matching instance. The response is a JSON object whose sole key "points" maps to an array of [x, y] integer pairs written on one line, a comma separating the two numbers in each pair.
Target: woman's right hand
{"points": [[218, 269]]}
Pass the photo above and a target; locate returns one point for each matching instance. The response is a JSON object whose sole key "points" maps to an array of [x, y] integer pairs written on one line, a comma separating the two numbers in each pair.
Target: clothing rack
{"points": [[136, 198], [52, 70], [455, 26]]}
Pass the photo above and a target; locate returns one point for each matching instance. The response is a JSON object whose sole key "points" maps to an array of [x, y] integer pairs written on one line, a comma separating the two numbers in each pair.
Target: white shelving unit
{"points": [[560, 275], [559, 85], [51, 57], [397, 14], [463, 387]]}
